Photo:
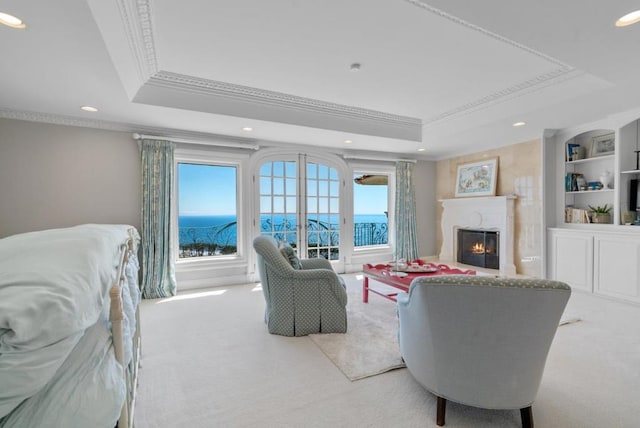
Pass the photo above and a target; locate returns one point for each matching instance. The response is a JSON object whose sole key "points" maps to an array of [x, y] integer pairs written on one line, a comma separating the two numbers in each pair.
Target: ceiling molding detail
{"points": [[116, 126], [530, 86], [276, 99], [488, 33], [136, 19]]}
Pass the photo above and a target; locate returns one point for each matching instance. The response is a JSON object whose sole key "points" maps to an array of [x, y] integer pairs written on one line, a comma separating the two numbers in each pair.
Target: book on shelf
{"points": [[576, 215], [573, 181]]}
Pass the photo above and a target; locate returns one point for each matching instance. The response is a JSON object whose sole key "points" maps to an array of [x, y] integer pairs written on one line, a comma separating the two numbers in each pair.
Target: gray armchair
{"points": [[302, 301], [480, 341]]}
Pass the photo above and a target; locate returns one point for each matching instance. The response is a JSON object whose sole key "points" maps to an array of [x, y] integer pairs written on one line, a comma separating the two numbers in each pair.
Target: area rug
{"points": [[370, 346]]}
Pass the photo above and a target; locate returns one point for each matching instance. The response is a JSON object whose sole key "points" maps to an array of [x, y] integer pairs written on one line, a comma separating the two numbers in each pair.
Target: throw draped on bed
{"points": [[55, 342], [158, 269]]}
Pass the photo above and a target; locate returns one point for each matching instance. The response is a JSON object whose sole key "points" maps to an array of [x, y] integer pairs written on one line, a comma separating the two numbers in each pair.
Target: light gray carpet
{"points": [[208, 361], [370, 346]]}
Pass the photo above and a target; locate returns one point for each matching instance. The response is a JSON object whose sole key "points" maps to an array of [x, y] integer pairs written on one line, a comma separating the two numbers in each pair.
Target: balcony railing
{"points": [[321, 236]]}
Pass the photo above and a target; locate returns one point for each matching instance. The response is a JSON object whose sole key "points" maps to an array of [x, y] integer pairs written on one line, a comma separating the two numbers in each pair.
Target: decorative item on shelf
{"points": [[600, 214], [594, 185], [577, 153], [570, 148], [603, 145], [605, 179], [627, 217]]}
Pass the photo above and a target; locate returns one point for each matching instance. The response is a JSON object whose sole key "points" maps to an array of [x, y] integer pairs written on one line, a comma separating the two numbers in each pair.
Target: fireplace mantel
{"points": [[484, 213]]}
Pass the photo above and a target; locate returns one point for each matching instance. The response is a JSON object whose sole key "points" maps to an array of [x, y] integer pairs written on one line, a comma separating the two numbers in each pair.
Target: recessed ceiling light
{"points": [[628, 19], [247, 129], [355, 67], [519, 124], [348, 141], [421, 149], [89, 109], [11, 21]]}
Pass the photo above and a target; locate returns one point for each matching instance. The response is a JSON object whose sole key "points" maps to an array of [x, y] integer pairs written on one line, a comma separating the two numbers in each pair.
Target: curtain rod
{"points": [[374, 158], [137, 136]]}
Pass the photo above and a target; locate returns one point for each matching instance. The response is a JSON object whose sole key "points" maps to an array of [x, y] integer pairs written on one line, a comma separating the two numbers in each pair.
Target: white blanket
{"points": [[53, 286]]}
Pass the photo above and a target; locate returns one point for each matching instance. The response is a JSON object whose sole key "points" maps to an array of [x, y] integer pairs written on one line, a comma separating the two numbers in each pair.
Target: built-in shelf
{"points": [[589, 191], [592, 159]]}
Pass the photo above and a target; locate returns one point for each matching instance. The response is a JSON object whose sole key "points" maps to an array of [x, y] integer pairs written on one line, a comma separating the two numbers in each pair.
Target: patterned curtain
{"points": [[406, 239], [158, 266]]}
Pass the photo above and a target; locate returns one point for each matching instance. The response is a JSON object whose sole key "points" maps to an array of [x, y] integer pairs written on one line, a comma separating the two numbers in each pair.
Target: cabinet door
{"points": [[617, 266], [572, 260]]}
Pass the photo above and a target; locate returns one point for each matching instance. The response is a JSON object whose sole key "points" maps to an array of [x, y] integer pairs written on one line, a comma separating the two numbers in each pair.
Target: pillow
{"points": [[288, 253]]}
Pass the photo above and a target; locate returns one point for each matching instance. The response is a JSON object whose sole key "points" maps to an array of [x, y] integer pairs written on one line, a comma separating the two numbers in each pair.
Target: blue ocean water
{"points": [[221, 229]]}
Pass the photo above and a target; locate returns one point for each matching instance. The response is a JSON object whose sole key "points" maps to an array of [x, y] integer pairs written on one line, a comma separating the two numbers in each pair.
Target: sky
{"points": [[211, 190]]}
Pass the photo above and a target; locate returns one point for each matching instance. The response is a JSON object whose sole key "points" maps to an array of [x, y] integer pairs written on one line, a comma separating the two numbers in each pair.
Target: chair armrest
{"points": [[328, 276], [402, 298], [316, 264]]}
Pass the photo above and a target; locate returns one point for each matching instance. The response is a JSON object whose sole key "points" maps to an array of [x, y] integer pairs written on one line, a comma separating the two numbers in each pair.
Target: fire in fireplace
{"points": [[479, 248]]}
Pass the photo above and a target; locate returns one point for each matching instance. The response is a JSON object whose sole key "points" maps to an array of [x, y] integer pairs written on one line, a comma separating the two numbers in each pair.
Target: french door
{"points": [[300, 204]]}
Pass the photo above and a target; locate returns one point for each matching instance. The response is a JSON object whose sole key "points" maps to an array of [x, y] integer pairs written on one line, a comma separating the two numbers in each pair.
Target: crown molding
{"points": [[118, 126], [559, 74], [137, 21], [186, 83], [138, 26], [490, 34], [536, 84]]}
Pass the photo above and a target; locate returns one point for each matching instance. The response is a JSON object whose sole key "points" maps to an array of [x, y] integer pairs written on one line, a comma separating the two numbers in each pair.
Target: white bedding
{"points": [[54, 286]]}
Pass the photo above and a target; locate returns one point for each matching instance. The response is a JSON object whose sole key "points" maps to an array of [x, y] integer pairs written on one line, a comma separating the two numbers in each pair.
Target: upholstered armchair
{"points": [[310, 299], [480, 341]]}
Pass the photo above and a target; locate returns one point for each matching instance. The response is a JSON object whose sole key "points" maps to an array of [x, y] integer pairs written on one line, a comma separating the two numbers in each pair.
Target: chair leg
{"points": [[526, 414], [441, 405]]}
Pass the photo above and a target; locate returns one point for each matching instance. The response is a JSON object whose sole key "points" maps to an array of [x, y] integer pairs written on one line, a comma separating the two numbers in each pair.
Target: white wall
{"points": [[59, 176]]}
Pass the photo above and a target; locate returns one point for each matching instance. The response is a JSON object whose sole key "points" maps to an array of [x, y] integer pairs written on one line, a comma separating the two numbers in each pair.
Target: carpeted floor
{"points": [[370, 346], [208, 361]]}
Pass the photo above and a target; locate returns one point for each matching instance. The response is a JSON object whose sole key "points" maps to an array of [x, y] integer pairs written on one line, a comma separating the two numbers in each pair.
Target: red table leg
{"points": [[365, 289]]}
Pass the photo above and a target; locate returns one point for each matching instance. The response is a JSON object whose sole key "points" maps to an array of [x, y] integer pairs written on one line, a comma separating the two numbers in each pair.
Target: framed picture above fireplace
{"points": [[477, 178]]}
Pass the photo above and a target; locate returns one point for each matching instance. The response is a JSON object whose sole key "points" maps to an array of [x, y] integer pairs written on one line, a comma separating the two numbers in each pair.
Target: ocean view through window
{"points": [[370, 208], [208, 217], [207, 210]]}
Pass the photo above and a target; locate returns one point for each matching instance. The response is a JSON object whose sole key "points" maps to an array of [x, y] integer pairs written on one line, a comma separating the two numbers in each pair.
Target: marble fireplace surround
{"points": [[494, 213]]}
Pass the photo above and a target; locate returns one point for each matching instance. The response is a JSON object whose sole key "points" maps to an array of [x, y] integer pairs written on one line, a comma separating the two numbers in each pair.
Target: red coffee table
{"points": [[383, 273]]}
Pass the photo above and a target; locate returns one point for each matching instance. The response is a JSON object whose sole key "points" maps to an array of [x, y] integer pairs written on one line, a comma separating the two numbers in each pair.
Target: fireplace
{"points": [[494, 213], [479, 248]]}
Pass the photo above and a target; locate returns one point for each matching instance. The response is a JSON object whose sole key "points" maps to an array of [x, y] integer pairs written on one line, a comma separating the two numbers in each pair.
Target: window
{"points": [[207, 210], [370, 210]]}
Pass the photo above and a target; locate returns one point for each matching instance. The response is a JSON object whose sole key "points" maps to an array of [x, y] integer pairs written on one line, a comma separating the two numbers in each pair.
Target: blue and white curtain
{"points": [[158, 266], [406, 236]]}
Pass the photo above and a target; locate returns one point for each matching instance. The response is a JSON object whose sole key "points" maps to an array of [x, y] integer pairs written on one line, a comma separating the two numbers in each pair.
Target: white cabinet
{"points": [[599, 262], [572, 258], [617, 266]]}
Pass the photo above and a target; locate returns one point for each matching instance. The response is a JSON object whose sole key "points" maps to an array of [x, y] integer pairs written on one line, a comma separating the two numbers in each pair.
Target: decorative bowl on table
{"points": [[400, 265], [416, 268]]}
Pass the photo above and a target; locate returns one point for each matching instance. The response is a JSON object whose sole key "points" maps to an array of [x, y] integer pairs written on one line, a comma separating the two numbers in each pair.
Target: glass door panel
{"points": [[322, 212], [299, 203], [278, 201]]}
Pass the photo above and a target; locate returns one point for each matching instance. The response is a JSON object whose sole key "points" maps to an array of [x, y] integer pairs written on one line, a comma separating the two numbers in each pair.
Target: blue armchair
{"points": [[480, 341], [303, 301]]}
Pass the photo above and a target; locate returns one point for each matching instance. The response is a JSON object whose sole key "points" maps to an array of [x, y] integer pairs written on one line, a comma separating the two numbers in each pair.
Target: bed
{"points": [[69, 327]]}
